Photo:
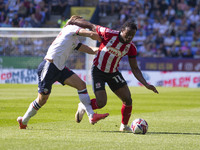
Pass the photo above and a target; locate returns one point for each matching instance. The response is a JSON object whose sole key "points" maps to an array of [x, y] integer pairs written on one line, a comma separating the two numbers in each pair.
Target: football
{"points": [[139, 126]]}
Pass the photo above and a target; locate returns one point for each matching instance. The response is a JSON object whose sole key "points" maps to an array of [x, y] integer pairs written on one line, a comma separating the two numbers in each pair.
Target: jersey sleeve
{"points": [[105, 33], [101, 31], [132, 53], [74, 29]]}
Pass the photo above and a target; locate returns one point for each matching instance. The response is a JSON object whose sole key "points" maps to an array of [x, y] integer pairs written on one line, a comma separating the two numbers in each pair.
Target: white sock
{"points": [[85, 99], [32, 110]]}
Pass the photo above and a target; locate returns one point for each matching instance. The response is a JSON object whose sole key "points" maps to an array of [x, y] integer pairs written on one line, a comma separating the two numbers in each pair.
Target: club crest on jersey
{"points": [[46, 90], [102, 29], [98, 85]]}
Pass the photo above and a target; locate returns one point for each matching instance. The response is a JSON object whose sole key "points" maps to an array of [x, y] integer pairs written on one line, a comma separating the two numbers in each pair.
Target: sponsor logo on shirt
{"points": [[116, 52]]}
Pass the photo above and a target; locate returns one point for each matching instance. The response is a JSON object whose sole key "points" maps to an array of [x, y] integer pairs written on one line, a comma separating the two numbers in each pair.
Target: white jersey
{"points": [[63, 45]]}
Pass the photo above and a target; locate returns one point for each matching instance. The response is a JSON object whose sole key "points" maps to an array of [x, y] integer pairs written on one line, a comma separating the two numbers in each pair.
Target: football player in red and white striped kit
{"points": [[114, 45]]}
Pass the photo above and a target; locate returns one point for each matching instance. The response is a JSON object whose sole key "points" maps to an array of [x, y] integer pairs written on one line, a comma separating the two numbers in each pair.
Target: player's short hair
{"points": [[74, 17], [130, 24]]}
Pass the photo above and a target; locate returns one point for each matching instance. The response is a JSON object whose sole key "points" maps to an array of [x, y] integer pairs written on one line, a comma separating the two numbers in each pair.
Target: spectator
{"points": [[194, 19], [158, 54], [139, 39], [55, 7], [172, 52], [163, 49], [22, 11], [182, 5], [169, 40], [177, 42], [31, 10], [37, 18], [188, 11], [27, 24], [62, 21], [115, 6], [103, 6], [197, 53], [143, 49], [163, 26], [6, 23], [162, 6], [186, 50], [2, 17], [179, 12], [148, 52], [45, 10], [123, 14], [172, 29], [159, 39], [15, 21], [2, 6], [156, 25], [170, 13], [63, 4], [21, 22]]}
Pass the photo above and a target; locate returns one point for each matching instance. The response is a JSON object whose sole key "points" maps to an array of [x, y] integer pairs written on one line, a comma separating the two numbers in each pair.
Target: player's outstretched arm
{"points": [[79, 21], [90, 34], [86, 49], [138, 74]]}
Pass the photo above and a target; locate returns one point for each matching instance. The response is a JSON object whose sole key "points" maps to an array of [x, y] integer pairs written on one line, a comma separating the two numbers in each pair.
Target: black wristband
{"points": [[78, 46]]}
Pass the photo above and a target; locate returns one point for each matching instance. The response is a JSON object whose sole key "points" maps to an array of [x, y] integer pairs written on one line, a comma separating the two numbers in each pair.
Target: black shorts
{"points": [[114, 80], [48, 73]]}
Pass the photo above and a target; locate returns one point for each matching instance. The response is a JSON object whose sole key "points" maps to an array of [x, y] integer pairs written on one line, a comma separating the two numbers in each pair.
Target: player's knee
{"points": [[127, 101], [82, 85], [101, 104], [42, 99]]}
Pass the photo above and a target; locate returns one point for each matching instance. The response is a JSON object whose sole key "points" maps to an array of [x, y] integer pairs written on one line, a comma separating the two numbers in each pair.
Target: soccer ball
{"points": [[139, 126]]}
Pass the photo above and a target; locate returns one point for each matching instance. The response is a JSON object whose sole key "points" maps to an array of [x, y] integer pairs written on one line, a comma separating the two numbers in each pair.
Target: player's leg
{"points": [[99, 79], [74, 81], [124, 94], [32, 110], [46, 79], [119, 86]]}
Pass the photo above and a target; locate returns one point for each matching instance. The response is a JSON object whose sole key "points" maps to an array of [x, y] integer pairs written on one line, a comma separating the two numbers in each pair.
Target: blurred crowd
{"points": [[166, 28], [32, 13]]}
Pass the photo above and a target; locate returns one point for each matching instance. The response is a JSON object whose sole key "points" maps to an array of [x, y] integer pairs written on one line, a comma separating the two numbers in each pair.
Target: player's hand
{"points": [[72, 19], [95, 49], [69, 22], [98, 38], [151, 87]]}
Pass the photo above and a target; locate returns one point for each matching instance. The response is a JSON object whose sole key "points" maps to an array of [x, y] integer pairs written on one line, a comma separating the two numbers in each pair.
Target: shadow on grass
{"points": [[174, 133]]}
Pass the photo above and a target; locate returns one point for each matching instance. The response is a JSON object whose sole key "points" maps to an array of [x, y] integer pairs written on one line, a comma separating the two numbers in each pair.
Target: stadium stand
{"points": [[166, 28]]}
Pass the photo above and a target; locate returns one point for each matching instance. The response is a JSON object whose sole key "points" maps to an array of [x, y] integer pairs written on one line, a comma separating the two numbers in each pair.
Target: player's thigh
{"points": [[115, 81], [124, 94], [119, 86], [101, 98], [99, 79], [48, 73], [75, 82]]}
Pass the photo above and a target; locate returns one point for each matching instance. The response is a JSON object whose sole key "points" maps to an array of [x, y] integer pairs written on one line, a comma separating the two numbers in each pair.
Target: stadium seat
{"points": [[188, 38]]}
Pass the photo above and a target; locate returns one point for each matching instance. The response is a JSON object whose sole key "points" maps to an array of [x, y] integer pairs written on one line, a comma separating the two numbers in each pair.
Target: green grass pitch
{"points": [[173, 116]]}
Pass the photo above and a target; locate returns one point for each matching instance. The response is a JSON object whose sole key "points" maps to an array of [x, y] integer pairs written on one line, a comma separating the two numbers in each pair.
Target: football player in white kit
{"points": [[53, 68]]}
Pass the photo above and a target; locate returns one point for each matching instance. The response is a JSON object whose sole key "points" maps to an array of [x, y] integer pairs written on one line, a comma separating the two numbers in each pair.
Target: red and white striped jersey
{"points": [[111, 50]]}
